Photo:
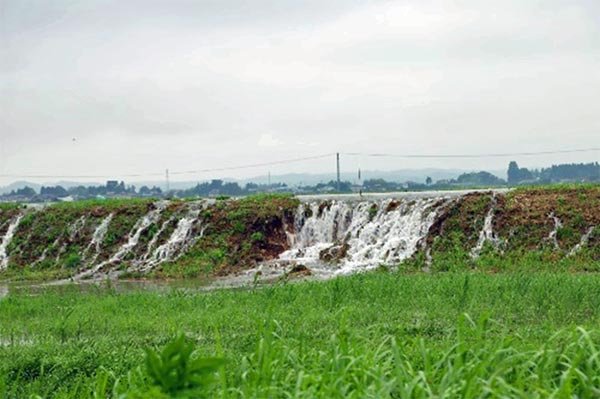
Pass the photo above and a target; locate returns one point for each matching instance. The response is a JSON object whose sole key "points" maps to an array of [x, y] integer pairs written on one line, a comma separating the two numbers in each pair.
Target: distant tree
{"points": [[513, 173], [26, 191], [571, 172], [428, 181], [517, 175], [144, 190], [57, 191], [479, 179]]}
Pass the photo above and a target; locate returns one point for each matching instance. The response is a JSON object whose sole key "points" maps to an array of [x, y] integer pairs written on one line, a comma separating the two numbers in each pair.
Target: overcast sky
{"points": [[144, 85]]}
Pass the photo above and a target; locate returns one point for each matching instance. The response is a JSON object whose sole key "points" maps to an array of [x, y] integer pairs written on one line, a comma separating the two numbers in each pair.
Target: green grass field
{"points": [[372, 335]]}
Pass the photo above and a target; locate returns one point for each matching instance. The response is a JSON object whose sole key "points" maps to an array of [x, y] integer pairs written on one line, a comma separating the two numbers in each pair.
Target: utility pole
{"points": [[167, 180], [337, 158]]}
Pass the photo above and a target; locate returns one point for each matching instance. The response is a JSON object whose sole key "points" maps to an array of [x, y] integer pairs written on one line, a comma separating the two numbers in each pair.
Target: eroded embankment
{"points": [[551, 224], [133, 237], [275, 233]]}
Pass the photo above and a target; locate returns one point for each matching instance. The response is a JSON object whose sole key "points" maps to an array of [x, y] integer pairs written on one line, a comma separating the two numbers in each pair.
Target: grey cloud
{"points": [[185, 84]]}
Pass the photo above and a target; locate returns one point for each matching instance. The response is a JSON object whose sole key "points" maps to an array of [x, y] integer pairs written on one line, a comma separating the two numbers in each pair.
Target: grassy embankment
{"points": [[55, 243], [526, 236], [373, 335]]}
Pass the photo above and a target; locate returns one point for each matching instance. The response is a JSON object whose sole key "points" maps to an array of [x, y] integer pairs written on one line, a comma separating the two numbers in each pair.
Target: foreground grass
{"points": [[373, 335]]}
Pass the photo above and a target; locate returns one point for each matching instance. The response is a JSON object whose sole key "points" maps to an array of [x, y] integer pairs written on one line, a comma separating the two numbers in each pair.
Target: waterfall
{"points": [[178, 242], [76, 227], [585, 238], [487, 232], [156, 237], [552, 237], [98, 237], [132, 240], [6, 241], [360, 236], [135, 234]]}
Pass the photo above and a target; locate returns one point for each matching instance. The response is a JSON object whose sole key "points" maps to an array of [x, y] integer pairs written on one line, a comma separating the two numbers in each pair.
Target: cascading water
{"points": [[132, 240], [360, 236], [180, 239], [553, 236], [76, 227], [583, 242], [155, 238], [135, 234], [8, 236], [98, 237], [487, 232]]}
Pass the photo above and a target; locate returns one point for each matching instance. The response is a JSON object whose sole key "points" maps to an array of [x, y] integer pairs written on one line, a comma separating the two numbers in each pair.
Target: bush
{"points": [[72, 261]]}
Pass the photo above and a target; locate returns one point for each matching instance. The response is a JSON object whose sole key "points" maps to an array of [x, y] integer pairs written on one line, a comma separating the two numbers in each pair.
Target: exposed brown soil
{"points": [[525, 216], [300, 271], [392, 206], [335, 253]]}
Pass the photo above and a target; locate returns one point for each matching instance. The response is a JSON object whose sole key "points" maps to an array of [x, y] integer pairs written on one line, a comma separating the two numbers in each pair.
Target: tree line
{"points": [[583, 172]]}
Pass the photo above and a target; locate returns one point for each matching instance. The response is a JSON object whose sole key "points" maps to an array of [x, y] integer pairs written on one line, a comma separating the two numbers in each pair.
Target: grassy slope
{"points": [[235, 234], [523, 223], [361, 336]]}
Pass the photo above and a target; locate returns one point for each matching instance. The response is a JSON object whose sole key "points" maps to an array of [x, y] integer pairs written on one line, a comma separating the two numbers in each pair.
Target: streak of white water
{"points": [[8, 236], [134, 236], [179, 240], [554, 233], [45, 252], [98, 236], [76, 227], [375, 233], [156, 237], [487, 232], [132, 240], [583, 242]]}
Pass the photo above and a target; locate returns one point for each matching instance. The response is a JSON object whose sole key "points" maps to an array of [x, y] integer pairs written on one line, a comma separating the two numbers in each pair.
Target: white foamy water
{"points": [[76, 227], [371, 233], [487, 232], [98, 237], [133, 238], [155, 238], [178, 242], [585, 238], [8, 236], [553, 236]]}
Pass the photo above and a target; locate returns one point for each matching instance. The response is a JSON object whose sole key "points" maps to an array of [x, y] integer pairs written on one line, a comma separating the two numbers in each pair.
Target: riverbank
{"points": [[268, 237]]}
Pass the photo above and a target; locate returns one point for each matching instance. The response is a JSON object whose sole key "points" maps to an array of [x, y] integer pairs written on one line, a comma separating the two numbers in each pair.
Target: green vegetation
{"points": [[526, 235], [372, 335]]}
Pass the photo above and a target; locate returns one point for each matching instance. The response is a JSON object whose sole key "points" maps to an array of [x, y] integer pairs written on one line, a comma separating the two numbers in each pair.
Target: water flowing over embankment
{"points": [[269, 235]]}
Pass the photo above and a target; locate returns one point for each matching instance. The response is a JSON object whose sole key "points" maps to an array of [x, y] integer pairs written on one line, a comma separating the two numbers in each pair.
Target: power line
{"points": [[254, 165], [492, 155], [301, 159], [197, 171]]}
